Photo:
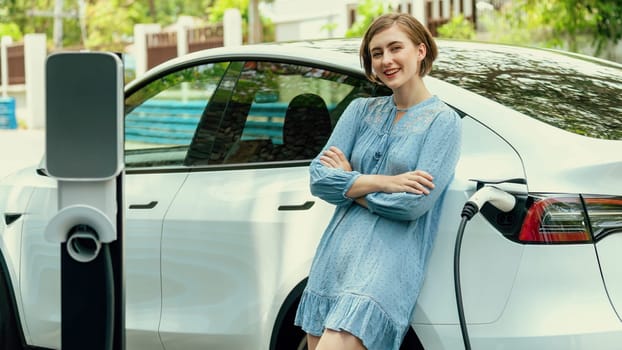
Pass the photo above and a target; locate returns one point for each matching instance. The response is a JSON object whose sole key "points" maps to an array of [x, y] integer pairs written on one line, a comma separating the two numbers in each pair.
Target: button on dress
{"points": [[370, 262]]}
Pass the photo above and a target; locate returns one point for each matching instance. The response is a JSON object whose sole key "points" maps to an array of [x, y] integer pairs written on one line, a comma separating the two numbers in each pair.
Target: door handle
{"points": [[305, 206], [149, 205]]}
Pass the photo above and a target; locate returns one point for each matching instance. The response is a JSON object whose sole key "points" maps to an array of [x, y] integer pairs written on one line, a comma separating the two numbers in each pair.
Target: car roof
{"points": [[302, 52]]}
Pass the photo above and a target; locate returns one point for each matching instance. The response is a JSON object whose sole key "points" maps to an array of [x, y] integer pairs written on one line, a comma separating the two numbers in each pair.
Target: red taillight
{"points": [[605, 215], [552, 220]]}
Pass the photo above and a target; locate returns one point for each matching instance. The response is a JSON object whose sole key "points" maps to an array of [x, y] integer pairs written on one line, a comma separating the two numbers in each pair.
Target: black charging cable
{"points": [[469, 210]]}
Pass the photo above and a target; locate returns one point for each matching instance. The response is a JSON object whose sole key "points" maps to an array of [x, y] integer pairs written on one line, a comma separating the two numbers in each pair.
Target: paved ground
{"points": [[19, 149]]}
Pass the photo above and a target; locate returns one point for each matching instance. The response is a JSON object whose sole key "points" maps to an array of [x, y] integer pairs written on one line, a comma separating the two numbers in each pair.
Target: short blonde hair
{"points": [[416, 31]]}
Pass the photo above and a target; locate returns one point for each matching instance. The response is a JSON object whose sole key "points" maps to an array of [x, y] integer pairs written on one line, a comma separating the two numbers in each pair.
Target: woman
{"points": [[386, 167]]}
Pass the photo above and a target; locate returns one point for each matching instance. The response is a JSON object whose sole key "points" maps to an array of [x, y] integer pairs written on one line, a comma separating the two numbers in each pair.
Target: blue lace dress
{"points": [[370, 263]]}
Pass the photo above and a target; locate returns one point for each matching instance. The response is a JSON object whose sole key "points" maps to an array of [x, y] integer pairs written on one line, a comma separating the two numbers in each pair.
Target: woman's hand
{"points": [[417, 182], [334, 158]]}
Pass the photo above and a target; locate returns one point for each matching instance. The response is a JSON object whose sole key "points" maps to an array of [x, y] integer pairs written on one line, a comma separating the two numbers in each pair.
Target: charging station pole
{"points": [[84, 152]]}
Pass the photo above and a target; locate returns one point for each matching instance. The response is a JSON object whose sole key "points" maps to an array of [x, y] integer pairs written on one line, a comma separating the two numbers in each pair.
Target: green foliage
{"points": [[268, 29], [12, 30], [110, 26], [167, 11], [457, 28], [217, 13], [563, 23], [329, 28], [366, 13]]}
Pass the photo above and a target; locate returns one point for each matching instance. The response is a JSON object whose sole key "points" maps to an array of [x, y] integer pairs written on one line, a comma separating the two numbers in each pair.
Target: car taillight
{"points": [[605, 215], [551, 220]]}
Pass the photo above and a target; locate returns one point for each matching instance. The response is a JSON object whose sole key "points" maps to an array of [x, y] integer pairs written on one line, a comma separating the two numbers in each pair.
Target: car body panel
{"points": [[608, 250], [572, 312], [15, 192], [224, 230], [493, 282]]}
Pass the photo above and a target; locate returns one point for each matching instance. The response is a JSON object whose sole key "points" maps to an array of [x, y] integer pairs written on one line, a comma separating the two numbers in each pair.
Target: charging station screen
{"points": [[84, 107]]}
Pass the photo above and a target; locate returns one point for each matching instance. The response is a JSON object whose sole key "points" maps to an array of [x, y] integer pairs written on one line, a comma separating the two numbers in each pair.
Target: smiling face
{"points": [[395, 59], [400, 27]]}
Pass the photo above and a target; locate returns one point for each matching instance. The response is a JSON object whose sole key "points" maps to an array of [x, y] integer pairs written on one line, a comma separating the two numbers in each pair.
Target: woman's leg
{"points": [[312, 341], [331, 340]]}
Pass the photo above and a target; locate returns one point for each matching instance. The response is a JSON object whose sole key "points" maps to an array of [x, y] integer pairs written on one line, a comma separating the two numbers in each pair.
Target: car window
{"points": [[161, 117], [273, 112]]}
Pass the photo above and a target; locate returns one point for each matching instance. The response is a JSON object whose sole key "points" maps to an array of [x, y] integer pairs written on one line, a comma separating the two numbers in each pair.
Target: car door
{"points": [[160, 121], [242, 230]]}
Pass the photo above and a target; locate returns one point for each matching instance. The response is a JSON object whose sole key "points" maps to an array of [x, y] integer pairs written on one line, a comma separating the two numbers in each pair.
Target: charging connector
{"points": [[488, 194]]}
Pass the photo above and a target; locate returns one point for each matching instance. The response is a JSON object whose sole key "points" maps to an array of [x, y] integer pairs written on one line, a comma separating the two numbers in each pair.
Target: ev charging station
{"points": [[84, 153]]}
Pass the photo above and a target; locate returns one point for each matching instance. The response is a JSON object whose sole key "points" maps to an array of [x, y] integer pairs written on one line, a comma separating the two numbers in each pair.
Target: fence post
{"points": [[182, 40], [35, 53], [419, 11], [456, 7], [140, 45], [232, 28], [182, 26], [4, 64], [446, 6]]}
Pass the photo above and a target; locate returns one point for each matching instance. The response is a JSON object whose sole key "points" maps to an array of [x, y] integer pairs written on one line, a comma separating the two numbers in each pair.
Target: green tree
{"points": [[366, 12], [10, 29], [567, 21], [457, 28], [167, 11], [110, 23], [217, 13], [17, 12]]}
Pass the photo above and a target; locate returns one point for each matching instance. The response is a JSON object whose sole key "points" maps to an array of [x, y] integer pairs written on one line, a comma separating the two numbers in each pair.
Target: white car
{"points": [[221, 226]]}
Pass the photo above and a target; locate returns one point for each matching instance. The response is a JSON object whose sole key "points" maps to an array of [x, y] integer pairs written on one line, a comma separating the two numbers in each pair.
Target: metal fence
{"points": [[15, 61], [164, 45]]}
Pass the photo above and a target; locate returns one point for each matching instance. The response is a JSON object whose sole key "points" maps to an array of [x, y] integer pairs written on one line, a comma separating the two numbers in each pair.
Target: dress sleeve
{"points": [[439, 155], [332, 184]]}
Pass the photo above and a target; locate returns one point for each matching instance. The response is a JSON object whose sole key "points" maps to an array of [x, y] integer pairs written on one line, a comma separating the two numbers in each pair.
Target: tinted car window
{"points": [[161, 117], [272, 112], [576, 95]]}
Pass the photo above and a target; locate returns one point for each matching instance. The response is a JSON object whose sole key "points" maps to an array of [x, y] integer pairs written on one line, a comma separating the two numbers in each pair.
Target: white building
{"points": [[318, 19]]}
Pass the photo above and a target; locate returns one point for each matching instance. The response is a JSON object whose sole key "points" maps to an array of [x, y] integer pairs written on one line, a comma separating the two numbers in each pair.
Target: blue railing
{"points": [[174, 122], [7, 113]]}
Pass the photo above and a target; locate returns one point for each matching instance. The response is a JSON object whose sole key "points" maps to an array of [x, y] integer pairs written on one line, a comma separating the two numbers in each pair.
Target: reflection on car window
{"points": [[572, 94], [214, 133], [276, 112], [161, 117]]}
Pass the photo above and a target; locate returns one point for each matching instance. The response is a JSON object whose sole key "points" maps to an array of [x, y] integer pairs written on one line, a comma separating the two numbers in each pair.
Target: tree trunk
{"points": [[254, 23], [152, 10]]}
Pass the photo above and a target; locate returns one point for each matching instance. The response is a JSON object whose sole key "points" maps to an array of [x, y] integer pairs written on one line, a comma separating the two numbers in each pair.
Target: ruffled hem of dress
{"points": [[357, 314]]}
